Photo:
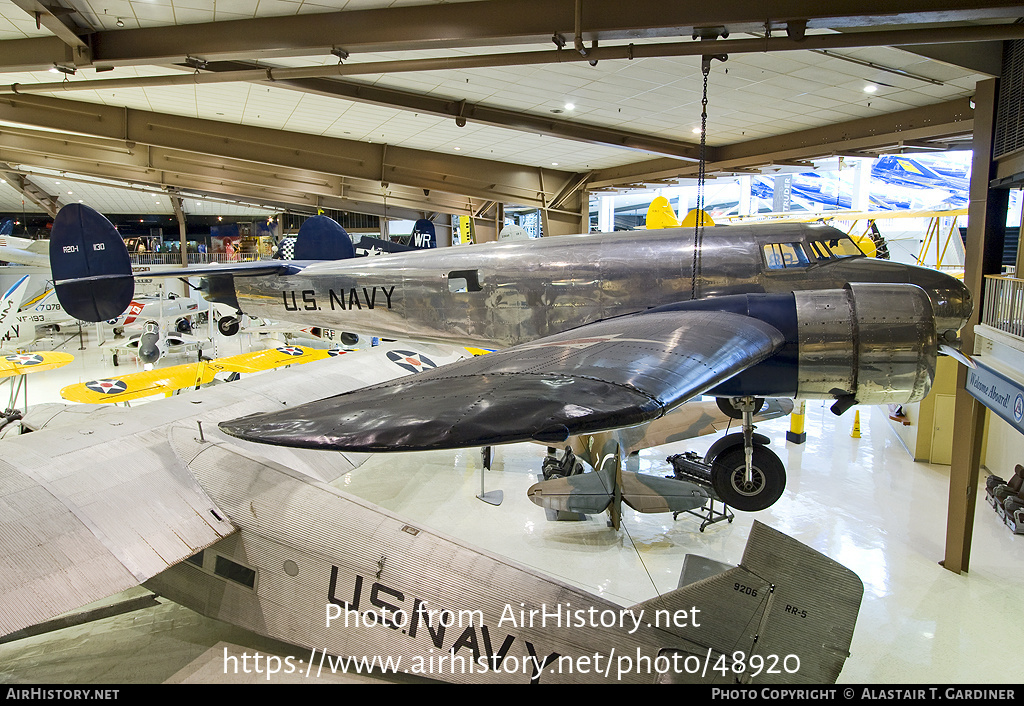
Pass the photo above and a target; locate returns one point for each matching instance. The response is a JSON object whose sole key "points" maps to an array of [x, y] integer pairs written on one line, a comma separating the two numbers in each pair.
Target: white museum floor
{"points": [[861, 501]]}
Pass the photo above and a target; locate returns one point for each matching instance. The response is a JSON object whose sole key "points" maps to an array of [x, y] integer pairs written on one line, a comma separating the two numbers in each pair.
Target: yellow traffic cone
{"points": [[855, 433]]}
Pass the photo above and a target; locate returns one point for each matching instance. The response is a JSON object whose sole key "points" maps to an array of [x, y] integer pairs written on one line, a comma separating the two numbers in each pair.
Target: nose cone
{"points": [[951, 299]]}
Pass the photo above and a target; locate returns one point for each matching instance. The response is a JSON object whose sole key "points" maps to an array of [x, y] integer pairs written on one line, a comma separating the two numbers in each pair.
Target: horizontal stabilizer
{"points": [[601, 376], [92, 271], [588, 493]]}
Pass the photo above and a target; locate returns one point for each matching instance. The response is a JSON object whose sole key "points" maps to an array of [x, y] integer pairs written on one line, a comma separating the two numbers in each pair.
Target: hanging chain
{"points": [[698, 226]]}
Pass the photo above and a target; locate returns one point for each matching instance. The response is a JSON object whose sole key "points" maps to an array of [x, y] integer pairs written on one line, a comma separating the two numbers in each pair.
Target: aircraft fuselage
{"points": [[504, 294]]}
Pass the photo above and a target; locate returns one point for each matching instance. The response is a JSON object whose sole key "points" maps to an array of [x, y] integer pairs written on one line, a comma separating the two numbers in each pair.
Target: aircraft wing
{"points": [[9, 253], [605, 375], [25, 363], [147, 383], [83, 522]]}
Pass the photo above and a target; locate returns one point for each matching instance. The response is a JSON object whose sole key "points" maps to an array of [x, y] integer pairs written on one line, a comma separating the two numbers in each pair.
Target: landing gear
{"points": [[748, 492], [228, 325], [745, 476]]}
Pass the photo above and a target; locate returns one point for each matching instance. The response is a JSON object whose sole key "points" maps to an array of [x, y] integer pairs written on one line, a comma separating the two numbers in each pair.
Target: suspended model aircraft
{"points": [[253, 535], [599, 331]]}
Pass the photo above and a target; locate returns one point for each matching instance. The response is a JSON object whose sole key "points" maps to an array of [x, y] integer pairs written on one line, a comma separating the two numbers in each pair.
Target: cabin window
{"points": [[464, 281], [784, 255], [233, 571], [835, 248]]}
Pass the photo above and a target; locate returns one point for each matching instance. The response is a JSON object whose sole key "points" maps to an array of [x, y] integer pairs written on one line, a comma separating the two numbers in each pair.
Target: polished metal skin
{"points": [[503, 294], [876, 342], [637, 323]]}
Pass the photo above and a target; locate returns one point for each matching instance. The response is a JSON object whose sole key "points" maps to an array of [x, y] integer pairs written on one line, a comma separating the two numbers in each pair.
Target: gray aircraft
{"points": [[598, 331], [97, 500]]}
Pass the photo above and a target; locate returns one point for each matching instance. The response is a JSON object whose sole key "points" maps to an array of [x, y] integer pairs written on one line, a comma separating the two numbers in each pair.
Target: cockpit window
{"points": [[785, 255], [835, 248]]}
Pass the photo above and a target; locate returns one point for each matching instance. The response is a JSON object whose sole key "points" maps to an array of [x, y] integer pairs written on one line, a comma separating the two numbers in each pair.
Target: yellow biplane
{"points": [[190, 375]]}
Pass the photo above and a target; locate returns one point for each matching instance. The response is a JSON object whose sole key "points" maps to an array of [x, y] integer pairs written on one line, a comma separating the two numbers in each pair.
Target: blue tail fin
{"points": [[322, 238], [92, 272], [423, 235]]}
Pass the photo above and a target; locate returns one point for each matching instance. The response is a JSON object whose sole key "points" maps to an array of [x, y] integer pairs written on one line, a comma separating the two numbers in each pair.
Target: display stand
{"points": [[707, 514], [494, 497]]}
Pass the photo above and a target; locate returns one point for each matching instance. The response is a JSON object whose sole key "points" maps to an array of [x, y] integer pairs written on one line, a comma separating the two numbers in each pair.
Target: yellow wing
{"points": [[272, 358], [25, 363], [190, 375]]}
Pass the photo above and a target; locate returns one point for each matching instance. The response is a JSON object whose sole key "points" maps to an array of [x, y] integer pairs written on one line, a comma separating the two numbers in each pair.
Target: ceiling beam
{"points": [[134, 165], [56, 18], [492, 22], [30, 191], [420, 169], [942, 121], [477, 113]]}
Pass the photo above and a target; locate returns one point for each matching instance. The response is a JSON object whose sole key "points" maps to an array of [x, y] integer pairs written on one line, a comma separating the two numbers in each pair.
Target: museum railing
{"points": [[1004, 304], [194, 258]]}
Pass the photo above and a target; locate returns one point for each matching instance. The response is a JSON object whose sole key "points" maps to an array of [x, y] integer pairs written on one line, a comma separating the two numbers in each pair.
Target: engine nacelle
{"points": [[874, 342], [863, 344]]}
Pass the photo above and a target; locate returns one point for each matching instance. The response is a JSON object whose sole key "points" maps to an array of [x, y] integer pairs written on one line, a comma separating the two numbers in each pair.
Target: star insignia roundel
{"points": [[25, 359], [290, 350], [411, 361], [107, 387]]}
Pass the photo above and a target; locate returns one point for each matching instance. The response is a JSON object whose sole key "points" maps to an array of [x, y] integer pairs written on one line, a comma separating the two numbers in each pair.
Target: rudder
{"points": [[786, 605], [92, 271], [323, 238]]}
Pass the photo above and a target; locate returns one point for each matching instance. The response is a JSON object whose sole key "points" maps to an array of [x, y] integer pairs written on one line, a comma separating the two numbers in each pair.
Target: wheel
{"points": [[184, 326], [228, 325], [114, 358], [766, 486], [725, 404]]}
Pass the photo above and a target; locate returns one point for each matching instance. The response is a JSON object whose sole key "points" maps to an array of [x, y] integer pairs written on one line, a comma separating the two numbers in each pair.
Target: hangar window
{"points": [[196, 559], [233, 571], [784, 255]]}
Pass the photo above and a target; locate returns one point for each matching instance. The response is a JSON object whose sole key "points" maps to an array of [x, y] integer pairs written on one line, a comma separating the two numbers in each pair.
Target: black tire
{"points": [[184, 326], [228, 325], [725, 404], [769, 479]]}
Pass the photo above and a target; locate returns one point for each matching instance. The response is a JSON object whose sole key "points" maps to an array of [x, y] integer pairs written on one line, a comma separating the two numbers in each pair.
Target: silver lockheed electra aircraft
{"points": [[598, 331]]}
